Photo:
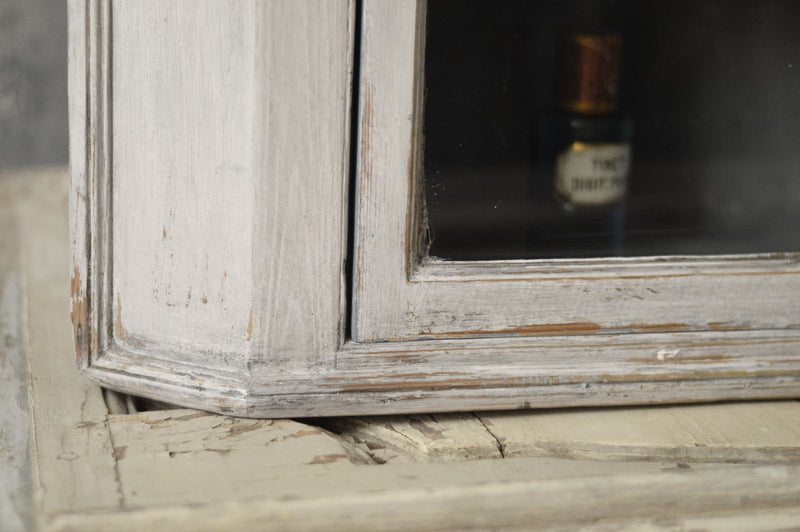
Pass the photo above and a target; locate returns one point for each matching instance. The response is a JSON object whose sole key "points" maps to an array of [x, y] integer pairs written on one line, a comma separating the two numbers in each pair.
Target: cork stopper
{"points": [[587, 72]]}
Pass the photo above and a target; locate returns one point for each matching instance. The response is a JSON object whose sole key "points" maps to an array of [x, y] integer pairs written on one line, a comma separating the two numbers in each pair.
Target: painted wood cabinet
{"points": [[248, 237]]}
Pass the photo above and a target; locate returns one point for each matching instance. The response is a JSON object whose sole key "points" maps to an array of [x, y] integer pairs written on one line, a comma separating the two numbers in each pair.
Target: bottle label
{"points": [[593, 174]]}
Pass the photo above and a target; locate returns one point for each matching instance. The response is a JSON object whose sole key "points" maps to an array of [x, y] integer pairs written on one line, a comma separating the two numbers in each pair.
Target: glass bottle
{"points": [[583, 153]]}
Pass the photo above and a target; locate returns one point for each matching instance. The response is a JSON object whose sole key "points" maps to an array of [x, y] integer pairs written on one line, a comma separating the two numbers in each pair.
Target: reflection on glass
{"points": [[711, 85]]}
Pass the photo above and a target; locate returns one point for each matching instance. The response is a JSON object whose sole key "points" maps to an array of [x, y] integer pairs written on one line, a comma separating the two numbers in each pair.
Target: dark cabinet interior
{"points": [[713, 90]]}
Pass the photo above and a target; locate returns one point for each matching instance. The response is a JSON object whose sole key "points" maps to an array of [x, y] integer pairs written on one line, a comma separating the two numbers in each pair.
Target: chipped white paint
{"points": [[758, 432], [204, 450], [664, 354], [400, 297], [184, 172], [209, 231], [183, 470]]}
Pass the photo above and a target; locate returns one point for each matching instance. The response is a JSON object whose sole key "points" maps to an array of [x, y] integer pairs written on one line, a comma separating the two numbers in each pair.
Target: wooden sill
{"points": [[732, 466]]}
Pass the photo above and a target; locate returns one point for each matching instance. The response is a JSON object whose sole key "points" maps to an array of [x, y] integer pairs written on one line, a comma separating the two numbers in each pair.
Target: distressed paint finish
{"points": [[300, 228], [185, 470], [755, 432], [420, 438], [81, 131], [183, 177], [209, 201], [197, 179], [70, 445], [16, 504], [400, 297], [227, 453], [749, 432]]}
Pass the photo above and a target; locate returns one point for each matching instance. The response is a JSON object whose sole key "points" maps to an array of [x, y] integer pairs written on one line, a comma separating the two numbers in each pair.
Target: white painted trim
{"points": [[400, 297], [720, 345]]}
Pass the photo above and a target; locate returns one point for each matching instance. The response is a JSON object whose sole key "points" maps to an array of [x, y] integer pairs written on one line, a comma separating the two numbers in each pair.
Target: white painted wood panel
{"points": [[215, 163], [209, 220], [399, 297], [184, 177], [305, 71]]}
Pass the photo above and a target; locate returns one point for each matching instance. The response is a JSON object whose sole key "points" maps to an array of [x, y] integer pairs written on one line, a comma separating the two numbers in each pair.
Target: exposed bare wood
{"points": [[420, 438], [765, 432]]}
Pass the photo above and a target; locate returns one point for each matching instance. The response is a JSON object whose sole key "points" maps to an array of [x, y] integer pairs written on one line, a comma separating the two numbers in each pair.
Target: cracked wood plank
{"points": [[419, 438], [190, 457], [759, 432], [74, 467], [328, 492]]}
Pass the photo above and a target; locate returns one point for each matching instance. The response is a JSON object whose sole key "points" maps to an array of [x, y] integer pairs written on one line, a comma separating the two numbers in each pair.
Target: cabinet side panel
{"points": [[183, 177]]}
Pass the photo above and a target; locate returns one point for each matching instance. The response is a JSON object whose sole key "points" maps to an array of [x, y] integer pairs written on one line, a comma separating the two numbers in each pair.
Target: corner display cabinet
{"points": [[313, 208]]}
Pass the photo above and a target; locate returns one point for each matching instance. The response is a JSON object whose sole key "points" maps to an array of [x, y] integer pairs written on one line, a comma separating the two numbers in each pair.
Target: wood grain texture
{"points": [[518, 494], [222, 247], [74, 469], [739, 433], [183, 178], [420, 438], [83, 98], [305, 73], [486, 374], [202, 458], [397, 298], [16, 505], [209, 229], [184, 470], [229, 180], [757, 432]]}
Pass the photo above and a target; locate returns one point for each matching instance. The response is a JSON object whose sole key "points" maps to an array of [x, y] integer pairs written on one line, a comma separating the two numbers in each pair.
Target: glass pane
{"points": [[592, 128]]}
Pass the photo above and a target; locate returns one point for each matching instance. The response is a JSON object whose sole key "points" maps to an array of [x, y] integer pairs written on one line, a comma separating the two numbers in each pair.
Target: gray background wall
{"points": [[33, 83]]}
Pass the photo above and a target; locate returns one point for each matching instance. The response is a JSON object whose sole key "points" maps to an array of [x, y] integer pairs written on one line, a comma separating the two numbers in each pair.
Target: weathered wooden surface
{"points": [[207, 455], [183, 199], [187, 470], [763, 432], [397, 297], [72, 452], [209, 233], [225, 163], [419, 438], [517, 494], [15, 478], [758, 432]]}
